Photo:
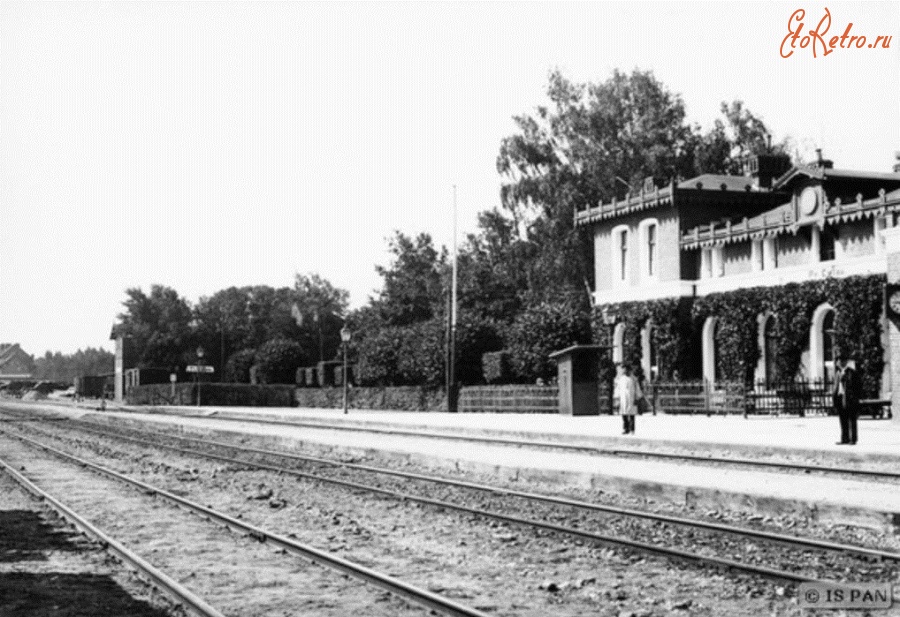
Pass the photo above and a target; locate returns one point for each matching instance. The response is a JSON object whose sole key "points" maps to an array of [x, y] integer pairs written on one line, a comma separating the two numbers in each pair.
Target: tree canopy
{"points": [[525, 274], [157, 327]]}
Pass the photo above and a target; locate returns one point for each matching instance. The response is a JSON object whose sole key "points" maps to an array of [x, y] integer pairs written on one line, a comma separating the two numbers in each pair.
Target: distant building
{"points": [[680, 270], [14, 362]]}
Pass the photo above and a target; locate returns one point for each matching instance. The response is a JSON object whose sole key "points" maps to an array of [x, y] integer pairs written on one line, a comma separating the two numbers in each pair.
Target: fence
{"points": [[509, 399], [696, 397], [802, 398]]}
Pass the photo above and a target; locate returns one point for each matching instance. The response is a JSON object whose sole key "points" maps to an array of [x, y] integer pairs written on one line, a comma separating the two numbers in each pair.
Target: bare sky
{"points": [[204, 145]]}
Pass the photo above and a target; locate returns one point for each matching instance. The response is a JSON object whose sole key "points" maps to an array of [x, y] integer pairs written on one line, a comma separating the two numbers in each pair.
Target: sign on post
{"points": [[200, 368]]}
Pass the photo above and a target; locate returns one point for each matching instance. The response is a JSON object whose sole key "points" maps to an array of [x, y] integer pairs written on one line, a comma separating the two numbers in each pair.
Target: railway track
{"points": [[843, 553], [177, 593], [90, 492], [774, 465]]}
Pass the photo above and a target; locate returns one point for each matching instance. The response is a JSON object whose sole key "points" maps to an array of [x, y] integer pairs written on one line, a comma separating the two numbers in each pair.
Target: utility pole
{"points": [[452, 393]]}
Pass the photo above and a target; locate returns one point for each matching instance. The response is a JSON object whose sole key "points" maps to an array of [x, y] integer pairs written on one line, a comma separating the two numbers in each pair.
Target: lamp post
{"points": [[609, 319], [200, 354], [345, 342]]}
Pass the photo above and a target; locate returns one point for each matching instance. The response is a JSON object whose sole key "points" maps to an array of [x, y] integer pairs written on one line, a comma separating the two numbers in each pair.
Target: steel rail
{"points": [[415, 595], [825, 469], [172, 588], [789, 540], [717, 562]]}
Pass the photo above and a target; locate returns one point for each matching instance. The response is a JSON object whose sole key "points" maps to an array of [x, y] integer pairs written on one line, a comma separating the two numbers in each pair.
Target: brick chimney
{"points": [[820, 162]]}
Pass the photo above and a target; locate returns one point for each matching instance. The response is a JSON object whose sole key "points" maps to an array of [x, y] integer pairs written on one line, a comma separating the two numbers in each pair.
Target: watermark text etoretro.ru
{"points": [[818, 40]]}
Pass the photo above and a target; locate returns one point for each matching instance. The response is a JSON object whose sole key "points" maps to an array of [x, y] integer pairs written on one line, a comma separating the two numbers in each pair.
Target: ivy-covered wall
{"points": [[857, 301], [671, 319]]}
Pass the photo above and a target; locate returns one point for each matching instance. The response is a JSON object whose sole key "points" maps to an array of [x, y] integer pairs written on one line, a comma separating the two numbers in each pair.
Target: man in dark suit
{"points": [[845, 393]]}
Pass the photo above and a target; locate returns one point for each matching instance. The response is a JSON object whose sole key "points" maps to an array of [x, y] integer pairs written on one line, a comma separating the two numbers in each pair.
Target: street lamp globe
{"points": [[345, 334], [200, 352]]}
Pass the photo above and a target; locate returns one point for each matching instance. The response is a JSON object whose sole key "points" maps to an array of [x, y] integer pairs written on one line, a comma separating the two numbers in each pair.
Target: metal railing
{"points": [[696, 397], [788, 397], [792, 397]]}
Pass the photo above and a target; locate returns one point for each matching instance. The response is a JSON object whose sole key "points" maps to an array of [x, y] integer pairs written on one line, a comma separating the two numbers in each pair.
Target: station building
{"points": [[757, 278]]}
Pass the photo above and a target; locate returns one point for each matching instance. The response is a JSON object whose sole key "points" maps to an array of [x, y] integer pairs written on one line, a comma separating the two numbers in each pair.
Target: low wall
{"points": [[401, 398], [228, 394]]}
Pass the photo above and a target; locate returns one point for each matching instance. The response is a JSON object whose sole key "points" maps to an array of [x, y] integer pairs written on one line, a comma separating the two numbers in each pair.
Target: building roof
{"points": [[728, 191], [10, 355], [824, 173], [738, 193]]}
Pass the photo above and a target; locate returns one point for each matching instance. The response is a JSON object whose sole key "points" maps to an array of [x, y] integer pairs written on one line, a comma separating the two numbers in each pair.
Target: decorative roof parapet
{"points": [[643, 200], [781, 220]]}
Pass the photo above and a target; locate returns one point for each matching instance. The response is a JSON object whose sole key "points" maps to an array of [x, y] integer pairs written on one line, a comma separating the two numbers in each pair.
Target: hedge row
{"points": [[215, 394], [402, 398]]}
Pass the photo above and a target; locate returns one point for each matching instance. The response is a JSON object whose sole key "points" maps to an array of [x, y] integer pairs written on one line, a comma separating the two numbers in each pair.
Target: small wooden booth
{"points": [[578, 369]]}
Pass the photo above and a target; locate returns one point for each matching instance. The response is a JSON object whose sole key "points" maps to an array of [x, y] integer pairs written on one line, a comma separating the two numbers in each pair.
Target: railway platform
{"points": [[587, 453]]}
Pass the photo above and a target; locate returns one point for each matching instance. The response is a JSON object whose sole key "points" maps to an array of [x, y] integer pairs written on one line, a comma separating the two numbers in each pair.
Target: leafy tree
{"points": [[156, 328], [223, 324], [493, 266], [269, 313], [278, 360], [539, 331], [413, 288], [377, 353], [739, 134], [421, 356], [59, 367], [321, 308]]}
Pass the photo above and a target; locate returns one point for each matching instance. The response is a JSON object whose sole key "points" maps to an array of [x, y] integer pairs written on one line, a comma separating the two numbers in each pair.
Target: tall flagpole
{"points": [[452, 389]]}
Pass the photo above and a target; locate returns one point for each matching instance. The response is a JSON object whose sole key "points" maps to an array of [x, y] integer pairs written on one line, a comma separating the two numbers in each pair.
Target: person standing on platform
{"points": [[627, 393], [845, 393]]}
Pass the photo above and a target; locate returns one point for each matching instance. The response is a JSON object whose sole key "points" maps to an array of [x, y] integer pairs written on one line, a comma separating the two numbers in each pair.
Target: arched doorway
{"points": [[709, 349], [618, 351], [821, 343], [766, 371], [648, 352]]}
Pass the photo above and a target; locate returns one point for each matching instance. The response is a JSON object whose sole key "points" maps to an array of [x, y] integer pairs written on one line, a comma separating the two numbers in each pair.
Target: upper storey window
{"points": [[620, 245], [648, 232]]}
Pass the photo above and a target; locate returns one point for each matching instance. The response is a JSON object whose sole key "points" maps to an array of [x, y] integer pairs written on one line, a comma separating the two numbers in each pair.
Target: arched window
{"points": [[618, 351], [821, 343], [709, 349], [648, 352]]}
